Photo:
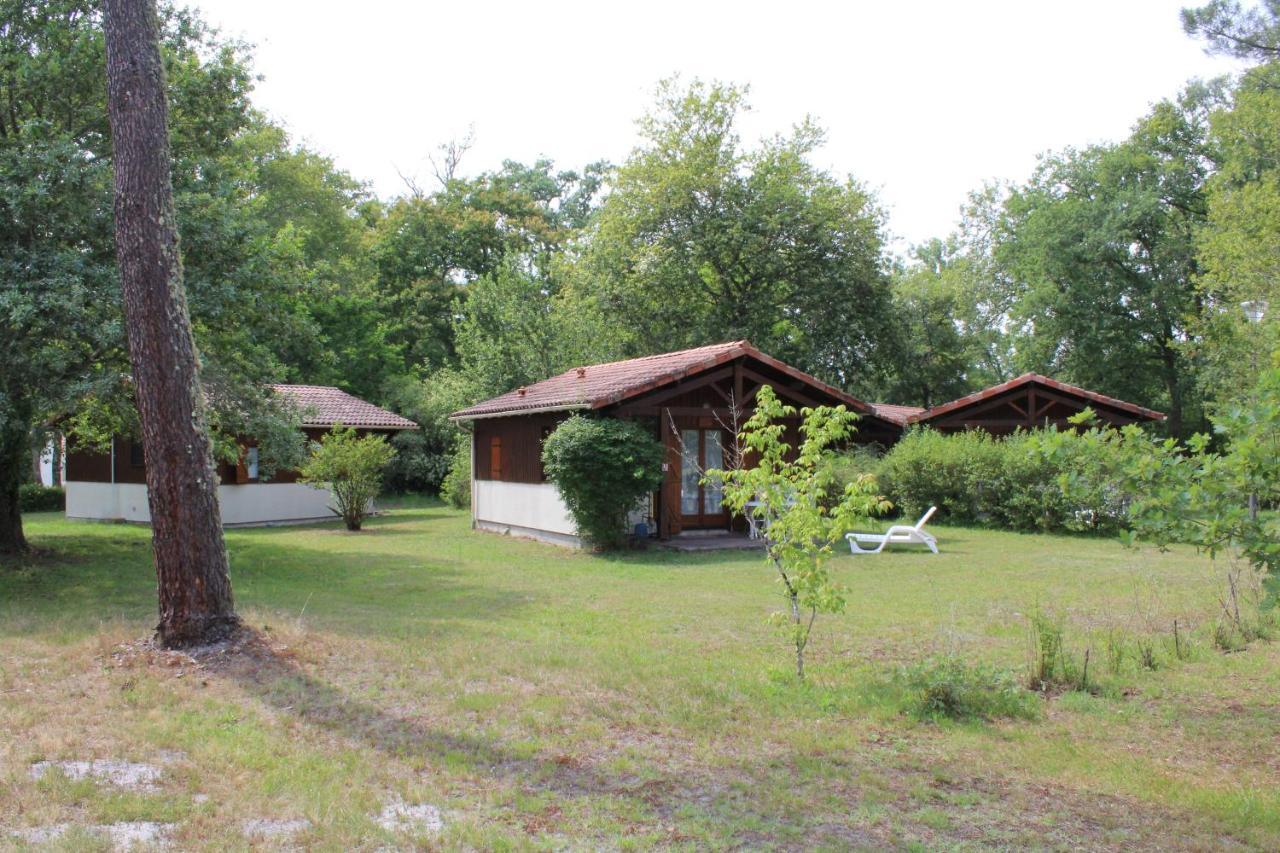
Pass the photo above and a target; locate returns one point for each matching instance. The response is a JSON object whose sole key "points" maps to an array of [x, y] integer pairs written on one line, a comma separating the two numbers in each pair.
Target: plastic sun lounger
{"points": [[899, 534]]}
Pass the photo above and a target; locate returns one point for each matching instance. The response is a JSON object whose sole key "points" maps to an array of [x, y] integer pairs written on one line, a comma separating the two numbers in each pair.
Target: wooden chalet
{"points": [[691, 400], [1030, 401], [112, 486]]}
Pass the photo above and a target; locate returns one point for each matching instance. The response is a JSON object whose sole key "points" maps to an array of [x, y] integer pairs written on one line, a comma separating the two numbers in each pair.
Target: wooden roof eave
{"points": [[511, 413]]}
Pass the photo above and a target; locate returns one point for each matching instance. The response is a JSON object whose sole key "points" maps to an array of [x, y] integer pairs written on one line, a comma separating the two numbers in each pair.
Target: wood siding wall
{"points": [[90, 467], [510, 449]]}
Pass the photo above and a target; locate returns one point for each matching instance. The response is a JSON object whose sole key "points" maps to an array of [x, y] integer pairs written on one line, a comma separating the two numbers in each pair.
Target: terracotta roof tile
{"points": [[600, 385], [324, 406], [894, 413]]}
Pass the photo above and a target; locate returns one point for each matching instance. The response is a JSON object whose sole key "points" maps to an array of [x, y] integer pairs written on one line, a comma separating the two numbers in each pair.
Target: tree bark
{"points": [[15, 449], [190, 556]]}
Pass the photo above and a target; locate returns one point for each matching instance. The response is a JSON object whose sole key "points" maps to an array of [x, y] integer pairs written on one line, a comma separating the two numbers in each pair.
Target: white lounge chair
{"points": [[899, 534]]}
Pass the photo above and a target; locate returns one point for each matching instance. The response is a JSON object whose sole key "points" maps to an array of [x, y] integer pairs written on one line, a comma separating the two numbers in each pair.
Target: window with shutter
{"points": [[495, 458]]}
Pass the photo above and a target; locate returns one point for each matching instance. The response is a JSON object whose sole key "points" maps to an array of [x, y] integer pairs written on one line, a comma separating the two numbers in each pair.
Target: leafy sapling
{"points": [[351, 466], [783, 491]]}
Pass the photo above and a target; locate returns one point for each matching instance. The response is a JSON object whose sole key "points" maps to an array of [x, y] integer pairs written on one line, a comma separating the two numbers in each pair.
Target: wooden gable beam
{"points": [[783, 390], [966, 413], [685, 386]]}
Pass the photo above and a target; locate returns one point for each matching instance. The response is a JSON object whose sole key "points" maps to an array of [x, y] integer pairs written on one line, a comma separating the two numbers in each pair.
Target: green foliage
{"points": [[787, 491], [1236, 248], [1046, 480], [603, 467], [415, 467], [1229, 27], [1099, 250], [948, 687], [351, 466], [1191, 493], [937, 353], [850, 466], [427, 248], [456, 488], [686, 249], [33, 497]]}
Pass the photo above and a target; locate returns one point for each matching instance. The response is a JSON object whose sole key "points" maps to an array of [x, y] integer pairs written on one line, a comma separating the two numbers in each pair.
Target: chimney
{"points": [[520, 392], [582, 372]]}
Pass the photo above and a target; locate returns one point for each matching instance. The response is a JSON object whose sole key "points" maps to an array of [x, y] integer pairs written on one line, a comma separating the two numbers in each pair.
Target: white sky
{"points": [[923, 101]]}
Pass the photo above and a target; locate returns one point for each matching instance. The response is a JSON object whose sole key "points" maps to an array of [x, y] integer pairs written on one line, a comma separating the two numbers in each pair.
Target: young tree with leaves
{"points": [[784, 491], [350, 465]]}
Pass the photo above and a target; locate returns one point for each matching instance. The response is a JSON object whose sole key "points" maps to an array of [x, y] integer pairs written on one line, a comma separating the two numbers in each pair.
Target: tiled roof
{"points": [[600, 385], [324, 406], [895, 414], [1036, 378]]}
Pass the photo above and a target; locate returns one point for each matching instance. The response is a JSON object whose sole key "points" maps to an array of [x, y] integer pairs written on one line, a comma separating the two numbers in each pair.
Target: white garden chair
{"points": [[899, 534]]}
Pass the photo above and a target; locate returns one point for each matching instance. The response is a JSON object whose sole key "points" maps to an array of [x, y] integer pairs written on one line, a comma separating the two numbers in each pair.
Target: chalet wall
{"points": [[533, 510], [247, 504], [518, 440]]}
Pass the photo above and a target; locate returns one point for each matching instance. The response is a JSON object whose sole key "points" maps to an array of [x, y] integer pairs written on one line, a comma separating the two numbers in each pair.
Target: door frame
{"points": [[701, 520]]}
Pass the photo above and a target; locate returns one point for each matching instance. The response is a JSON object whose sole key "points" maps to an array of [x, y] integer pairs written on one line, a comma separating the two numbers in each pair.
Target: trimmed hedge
{"points": [[33, 497], [1014, 482]]}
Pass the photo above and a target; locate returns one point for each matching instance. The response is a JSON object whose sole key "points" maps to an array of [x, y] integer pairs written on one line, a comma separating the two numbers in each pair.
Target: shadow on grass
{"points": [[274, 676], [82, 580]]}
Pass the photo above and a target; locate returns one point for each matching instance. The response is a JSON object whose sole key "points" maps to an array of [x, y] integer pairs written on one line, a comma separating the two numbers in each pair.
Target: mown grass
{"points": [[548, 699]]}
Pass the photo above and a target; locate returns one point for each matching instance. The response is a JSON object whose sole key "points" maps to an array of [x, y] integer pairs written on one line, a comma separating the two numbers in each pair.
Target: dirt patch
{"points": [[122, 774], [121, 836], [271, 828], [402, 817]]}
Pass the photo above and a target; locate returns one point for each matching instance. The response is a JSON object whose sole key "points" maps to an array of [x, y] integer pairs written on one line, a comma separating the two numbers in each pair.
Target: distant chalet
{"points": [[112, 486], [689, 399]]}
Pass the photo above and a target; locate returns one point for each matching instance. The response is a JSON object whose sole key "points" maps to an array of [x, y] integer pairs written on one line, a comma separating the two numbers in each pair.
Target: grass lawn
{"points": [[542, 698]]}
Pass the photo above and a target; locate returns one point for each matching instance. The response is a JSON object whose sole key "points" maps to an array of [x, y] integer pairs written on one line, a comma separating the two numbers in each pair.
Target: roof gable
{"points": [[325, 406], [601, 385], [1086, 397]]}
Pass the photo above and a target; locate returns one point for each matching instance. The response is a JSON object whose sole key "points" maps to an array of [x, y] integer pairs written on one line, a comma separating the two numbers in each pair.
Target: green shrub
{"points": [[351, 466], [456, 488], [1044, 480], [603, 467], [33, 497], [849, 467], [417, 466], [949, 687]]}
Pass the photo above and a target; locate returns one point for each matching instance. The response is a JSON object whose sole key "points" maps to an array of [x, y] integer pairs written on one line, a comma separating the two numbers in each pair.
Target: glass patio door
{"points": [[701, 450]]}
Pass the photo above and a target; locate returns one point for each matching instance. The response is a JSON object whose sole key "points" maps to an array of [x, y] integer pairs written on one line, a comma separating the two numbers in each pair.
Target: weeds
{"points": [[948, 687], [1245, 613]]}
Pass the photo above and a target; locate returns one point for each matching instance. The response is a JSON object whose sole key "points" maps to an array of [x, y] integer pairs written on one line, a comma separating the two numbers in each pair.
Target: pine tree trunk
{"points": [[190, 555]]}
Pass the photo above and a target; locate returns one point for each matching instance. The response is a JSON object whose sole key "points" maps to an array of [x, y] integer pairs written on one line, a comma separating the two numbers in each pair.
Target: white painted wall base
{"points": [[245, 504], [565, 540], [534, 510]]}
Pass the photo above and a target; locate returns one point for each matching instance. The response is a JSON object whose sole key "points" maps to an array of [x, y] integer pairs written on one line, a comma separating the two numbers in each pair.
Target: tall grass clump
{"points": [[948, 687]]}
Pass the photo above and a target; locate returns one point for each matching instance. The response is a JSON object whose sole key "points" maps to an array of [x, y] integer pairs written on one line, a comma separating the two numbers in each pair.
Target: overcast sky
{"points": [[923, 101]]}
